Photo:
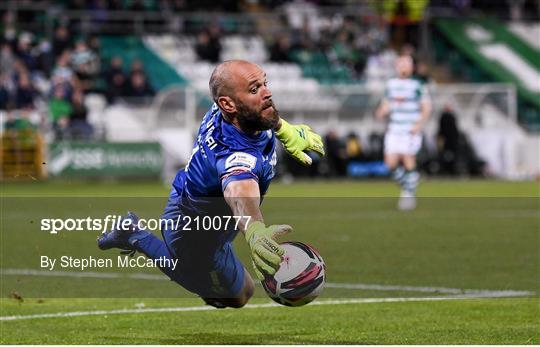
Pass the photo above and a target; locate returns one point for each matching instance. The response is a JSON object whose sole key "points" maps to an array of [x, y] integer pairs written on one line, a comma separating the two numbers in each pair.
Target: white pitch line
{"points": [[82, 274], [208, 308], [359, 286], [423, 289]]}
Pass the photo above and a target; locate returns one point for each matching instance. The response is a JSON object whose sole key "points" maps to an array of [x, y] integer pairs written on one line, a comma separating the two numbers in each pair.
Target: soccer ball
{"points": [[300, 278]]}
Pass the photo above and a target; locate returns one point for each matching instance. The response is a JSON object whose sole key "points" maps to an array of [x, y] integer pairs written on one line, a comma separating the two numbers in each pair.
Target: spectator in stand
{"points": [[60, 110], [341, 47], [24, 51], [7, 73], [6, 87], [7, 60], [62, 73], [279, 52], [79, 128], [61, 41], [25, 93], [137, 67], [9, 29], [44, 57], [115, 68], [25, 96], [19, 69], [94, 44], [138, 88], [85, 64], [115, 79], [208, 45], [303, 37]]}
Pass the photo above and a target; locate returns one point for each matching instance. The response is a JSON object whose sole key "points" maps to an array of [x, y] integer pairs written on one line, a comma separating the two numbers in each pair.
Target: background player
{"points": [[407, 101], [229, 171]]}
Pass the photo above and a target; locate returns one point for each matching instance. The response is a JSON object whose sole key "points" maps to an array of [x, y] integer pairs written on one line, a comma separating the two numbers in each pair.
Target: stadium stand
{"points": [[130, 48], [497, 55], [283, 77], [325, 65], [528, 32]]}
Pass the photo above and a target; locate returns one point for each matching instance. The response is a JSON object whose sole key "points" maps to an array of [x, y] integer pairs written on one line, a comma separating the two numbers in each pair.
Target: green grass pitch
{"points": [[463, 268]]}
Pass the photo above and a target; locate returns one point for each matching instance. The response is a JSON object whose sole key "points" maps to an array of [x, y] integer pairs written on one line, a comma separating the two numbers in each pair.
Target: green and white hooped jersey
{"points": [[404, 96]]}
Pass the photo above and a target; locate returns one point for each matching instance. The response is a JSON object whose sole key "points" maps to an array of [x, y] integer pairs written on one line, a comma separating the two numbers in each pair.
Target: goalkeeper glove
{"points": [[299, 138], [264, 250]]}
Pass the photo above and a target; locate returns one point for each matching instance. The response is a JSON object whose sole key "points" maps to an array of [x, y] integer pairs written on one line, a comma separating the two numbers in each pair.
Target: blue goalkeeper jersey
{"points": [[223, 154]]}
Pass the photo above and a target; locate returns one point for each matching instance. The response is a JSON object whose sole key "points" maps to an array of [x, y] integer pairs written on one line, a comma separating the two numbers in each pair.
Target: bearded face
{"points": [[252, 119]]}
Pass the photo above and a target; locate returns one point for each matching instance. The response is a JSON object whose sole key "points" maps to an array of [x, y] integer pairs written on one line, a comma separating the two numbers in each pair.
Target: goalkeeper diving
{"points": [[230, 170]]}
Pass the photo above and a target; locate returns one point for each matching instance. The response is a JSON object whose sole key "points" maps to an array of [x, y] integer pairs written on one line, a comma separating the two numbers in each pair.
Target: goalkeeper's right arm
{"points": [[244, 199]]}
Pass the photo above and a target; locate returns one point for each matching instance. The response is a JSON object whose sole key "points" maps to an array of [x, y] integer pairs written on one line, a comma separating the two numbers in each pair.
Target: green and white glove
{"points": [[264, 250], [299, 138]]}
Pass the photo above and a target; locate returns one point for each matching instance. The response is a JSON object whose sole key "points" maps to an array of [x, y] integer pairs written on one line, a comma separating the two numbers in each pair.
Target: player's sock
{"points": [[154, 248], [398, 174], [410, 181]]}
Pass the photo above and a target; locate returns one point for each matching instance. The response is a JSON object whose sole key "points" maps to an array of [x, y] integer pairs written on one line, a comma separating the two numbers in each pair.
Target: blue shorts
{"points": [[207, 263]]}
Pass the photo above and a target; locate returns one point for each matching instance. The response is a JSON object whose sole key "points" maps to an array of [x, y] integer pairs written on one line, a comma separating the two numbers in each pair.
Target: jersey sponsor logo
{"points": [[239, 160]]}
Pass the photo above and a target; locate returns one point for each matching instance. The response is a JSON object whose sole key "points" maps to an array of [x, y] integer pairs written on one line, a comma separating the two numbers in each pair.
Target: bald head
{"points": [[223, 78], [240, 90]]}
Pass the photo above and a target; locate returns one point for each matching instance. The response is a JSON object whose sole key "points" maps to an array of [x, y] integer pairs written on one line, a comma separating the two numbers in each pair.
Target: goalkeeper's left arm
{"points": [[297, 139]]}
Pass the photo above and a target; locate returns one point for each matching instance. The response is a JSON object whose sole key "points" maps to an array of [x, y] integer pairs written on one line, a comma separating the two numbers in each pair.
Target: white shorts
{"points": [[402, 143]]}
